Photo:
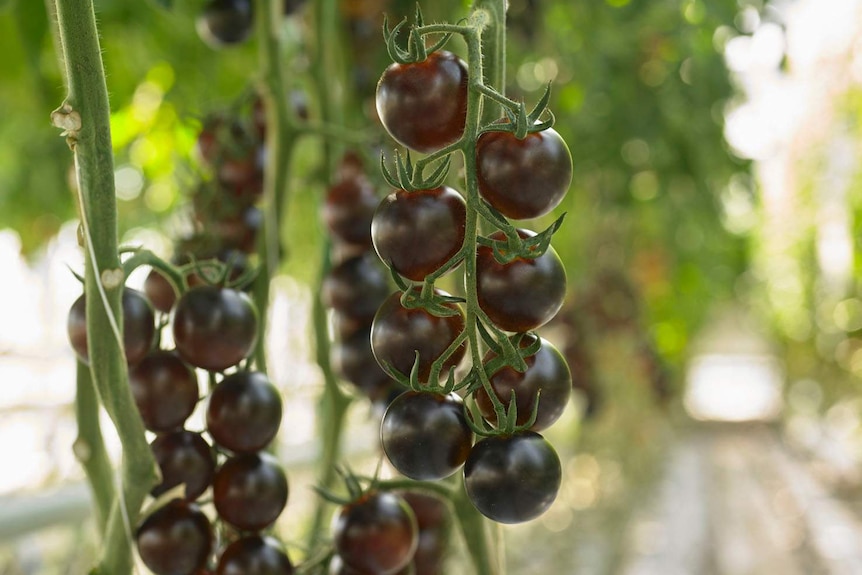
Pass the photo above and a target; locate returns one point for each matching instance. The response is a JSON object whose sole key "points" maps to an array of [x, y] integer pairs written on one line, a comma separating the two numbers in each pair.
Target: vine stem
{"points": [[85, 117]]}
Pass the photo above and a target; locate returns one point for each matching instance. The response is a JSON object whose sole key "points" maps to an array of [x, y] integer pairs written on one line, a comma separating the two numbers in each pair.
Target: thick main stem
{"points": [[85, 115], [493, 53]]}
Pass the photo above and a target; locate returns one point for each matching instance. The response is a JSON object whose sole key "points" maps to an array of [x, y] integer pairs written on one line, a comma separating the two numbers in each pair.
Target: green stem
{"points": [[481, 545], [85, 115], [494, 53]]}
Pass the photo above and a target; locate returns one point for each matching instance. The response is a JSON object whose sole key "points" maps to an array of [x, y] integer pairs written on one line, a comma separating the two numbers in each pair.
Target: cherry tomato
{"points": [[354, 361], [214, 328], [165, 390], [433, 517], [250, 490], [225, 22], [523, 294], [338, 567], [159, 291], [398, 333], [523, 178], [348, 209], [425, 435], [415, 233], [356, 287], [546, 372], [139, 326], [424, 105], [375, 534], [244, 412], [254, 555], [184, 457], [512, 479], [238, 230], [176, 538]]}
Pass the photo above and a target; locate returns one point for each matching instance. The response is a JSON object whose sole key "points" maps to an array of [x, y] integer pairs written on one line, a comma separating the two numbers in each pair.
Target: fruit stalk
{"points": [[85, 117]]}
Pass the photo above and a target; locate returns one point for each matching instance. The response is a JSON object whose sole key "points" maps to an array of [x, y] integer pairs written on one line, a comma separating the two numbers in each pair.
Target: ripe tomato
{"points": [[356, 287], [523, 294], [139, 326], [225, 22], [415, 233], [398, 333], [512, 479], [244, 412], [348, 209], [214, 328], [249, 491], [424, 105], [159, 291], [184, 457], [254, 555], [375, 534], [523, 178], [433, 517], [546, 372], [425, 435], [176, 538], [354, 361], [165, 390]]}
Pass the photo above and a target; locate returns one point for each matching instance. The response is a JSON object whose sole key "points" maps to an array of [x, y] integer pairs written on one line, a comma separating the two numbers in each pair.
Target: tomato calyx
{"points": [[521, 244], [410, 177], [416, 50]]}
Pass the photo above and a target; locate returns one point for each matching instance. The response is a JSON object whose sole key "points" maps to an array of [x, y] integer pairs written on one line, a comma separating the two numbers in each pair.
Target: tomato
{"points": [[249, 491], [254, 555], [242, 175], [338, 567], [356, 287], [159, 291], [348, 209], [425, 435], [353, 360], [424, 105], [183, 457], [176, 538], [225, 22], [523, 178], [398, 333], [139, 326], [523, 294], [238, 230], [415, 233], [214, 328], [375, 534], [514, 478], [165, 390], [434, 521], [244, 412], [546, 372]]}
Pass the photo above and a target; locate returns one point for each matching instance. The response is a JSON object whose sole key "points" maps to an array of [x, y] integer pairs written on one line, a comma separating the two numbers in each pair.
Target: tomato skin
{"points": [[415, 233], [176, 538], [183, 457], [159, 291], [423, 105], [375, 534], [139, 326], [523, 178], [397, 333], [356, 287], [244, 412], [523, 294], [512, 479], [354, 361], [348, 209], [214, 328], [547, 372], [250, 491], [225, 22], [434, 520], [165, 390], [254, 555], [425, 435]]}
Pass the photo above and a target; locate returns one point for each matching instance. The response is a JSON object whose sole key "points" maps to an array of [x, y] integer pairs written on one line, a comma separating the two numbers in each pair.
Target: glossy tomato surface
{"points": [[512, 479], [159, 291], [244, 412], [348, 209], [425, 435], [424, 105], [254, 555], [415, 233], [183, 457], [523, 178], [250, 491], [165, 390], [523, 294], [176, 538], [356, 287]]}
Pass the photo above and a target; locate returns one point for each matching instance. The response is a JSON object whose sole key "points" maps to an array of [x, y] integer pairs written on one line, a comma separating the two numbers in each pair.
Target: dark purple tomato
{"points": [[356, 287], [139, 326], [250, 491], [514, 478], [226, 22], [348, 209], [214, 328], [175, 539], [184, 457], [165, 390], [415, 233], [242, 175], [376, 533], [425, 435], [353, 361], [547, 372], [240, 230], [244, 412], [523, 178], [424, 105], [159, 291], [434, 521], [254, 555], [523, 294], [398, 333]]}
